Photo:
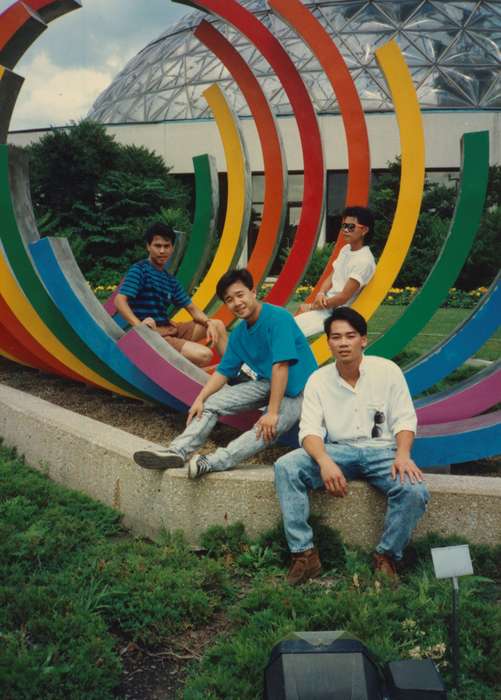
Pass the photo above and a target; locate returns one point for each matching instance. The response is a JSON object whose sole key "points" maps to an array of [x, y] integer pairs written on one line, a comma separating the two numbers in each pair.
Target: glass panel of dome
{"points": [[398, 11], [298, 52], [419, 76], [466, 51], [437, 91], [492, 98], [363, 46], [321, 92], [429, 18], [432, 46], [484, 19], [270, 85], [494, 7], [459, 12], [348, 56], [412, 55], [277, 27], [369, 19], [491, 42], [369, 91], [255, 5], [475, 83], [338, 14]]}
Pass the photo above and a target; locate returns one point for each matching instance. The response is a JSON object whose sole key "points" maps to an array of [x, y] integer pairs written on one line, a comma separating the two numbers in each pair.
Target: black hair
{"points": [[232, 276], [345, 313], [159, 228], [363, 215]]}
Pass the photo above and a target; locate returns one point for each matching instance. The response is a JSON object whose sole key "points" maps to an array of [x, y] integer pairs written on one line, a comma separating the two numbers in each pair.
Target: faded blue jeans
{"points": [[296, 473], [228, 401]]}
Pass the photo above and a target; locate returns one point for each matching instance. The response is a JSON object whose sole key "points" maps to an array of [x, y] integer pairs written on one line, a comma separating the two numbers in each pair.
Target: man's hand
{"points": [[196, 410], [334, 479], [403, 465], [267, 426], [320, 301], [212, 333], [150, 322]]}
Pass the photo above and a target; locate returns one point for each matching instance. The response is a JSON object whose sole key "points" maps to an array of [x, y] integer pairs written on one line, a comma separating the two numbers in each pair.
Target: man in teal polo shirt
{"points": [[267, 340]]}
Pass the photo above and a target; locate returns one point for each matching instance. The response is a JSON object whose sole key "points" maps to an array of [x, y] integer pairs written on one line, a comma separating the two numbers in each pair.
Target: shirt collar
{"points": [[362, 369]]}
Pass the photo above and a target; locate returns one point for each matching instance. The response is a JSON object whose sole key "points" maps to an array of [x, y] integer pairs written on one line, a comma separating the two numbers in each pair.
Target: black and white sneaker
{"points": [[198, 466], [158, 459]]}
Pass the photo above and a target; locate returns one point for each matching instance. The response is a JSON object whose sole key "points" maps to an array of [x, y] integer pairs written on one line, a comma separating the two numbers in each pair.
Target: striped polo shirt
{"points": [[150, 292]]}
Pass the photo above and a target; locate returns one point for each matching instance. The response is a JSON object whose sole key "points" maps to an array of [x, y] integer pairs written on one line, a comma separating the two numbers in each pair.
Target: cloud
{"points": [[53, 97], [80, 53]]}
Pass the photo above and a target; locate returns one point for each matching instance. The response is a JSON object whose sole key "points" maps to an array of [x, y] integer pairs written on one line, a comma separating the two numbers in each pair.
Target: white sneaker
{"points": [[158, 459], [198, 466]]}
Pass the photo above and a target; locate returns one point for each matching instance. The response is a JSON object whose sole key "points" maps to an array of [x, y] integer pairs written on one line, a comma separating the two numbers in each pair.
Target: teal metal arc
{"points": [[457, 245]]}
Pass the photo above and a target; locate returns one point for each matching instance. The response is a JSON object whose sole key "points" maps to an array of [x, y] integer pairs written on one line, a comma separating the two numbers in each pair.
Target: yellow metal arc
{"points": [[238, 205], [27, 316], [412, 176]]}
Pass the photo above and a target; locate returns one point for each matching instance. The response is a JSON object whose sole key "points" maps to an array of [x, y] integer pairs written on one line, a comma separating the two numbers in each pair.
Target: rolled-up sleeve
{"points": [[402, 415], [312, 418]]}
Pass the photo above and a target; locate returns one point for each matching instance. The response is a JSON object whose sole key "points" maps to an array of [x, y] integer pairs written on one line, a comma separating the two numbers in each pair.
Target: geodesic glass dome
{"points": [[451, 48]]}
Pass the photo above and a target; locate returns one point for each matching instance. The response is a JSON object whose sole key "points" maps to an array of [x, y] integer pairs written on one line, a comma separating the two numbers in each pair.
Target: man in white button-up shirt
{"points": [[357, 422]]}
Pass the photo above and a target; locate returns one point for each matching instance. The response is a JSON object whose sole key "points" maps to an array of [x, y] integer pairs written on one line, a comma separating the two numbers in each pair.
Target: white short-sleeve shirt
{"points": [[355, 264], [335, 410]]}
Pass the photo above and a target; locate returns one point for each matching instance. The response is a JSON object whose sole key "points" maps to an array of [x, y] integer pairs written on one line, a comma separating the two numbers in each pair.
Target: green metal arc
{"points": [[10, 235], [202, 237], [457, 245]]}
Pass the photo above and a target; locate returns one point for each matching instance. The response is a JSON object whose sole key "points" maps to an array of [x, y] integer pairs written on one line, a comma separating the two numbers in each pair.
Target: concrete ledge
{"points": [[95, 458]]}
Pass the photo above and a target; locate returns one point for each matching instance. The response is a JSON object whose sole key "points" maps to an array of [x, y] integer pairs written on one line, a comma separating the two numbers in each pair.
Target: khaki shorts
{"points": [[176, 334]]}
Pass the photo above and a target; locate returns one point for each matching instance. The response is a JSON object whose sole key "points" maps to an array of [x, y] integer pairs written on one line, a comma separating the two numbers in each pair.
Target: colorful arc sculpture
{"points": [[50, 320]]}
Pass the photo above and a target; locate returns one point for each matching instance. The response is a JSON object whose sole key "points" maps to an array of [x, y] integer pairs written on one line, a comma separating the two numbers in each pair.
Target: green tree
{"points": [[433, 224], [101, 196]]}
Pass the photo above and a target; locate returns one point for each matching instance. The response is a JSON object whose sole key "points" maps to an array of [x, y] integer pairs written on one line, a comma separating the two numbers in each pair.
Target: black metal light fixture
{"points": [[337, 666]]}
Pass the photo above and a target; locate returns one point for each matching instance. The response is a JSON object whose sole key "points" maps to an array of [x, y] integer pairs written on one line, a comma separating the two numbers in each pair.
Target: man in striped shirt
{"points": [[147, 292]]}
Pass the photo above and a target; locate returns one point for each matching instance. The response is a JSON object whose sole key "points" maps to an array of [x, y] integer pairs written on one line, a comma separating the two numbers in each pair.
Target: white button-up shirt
{"points": [[335, 410]]}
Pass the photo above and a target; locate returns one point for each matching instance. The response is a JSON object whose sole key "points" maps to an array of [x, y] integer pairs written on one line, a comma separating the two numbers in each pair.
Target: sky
{"points": [[79, 54]]}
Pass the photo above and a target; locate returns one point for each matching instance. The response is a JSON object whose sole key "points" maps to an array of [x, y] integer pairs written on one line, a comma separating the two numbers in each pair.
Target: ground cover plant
{"points": [[76, 591]]}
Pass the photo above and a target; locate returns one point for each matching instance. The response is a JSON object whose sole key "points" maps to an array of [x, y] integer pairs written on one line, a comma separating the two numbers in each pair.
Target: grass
{"points": [[75, 590], [442, 323], [72, 586]]}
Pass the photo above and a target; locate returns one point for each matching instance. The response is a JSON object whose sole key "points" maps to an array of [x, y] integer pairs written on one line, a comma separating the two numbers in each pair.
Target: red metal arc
{"points": [[324, 49], [273, 158], [309, 133]]}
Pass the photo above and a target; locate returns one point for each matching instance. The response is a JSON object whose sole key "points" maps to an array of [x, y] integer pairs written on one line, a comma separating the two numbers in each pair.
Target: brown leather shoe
{"points": [[304, 565], [384, 564]]}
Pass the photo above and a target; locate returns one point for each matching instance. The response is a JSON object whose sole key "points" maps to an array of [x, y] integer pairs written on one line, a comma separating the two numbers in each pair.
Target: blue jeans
{"points": [[297, 472], [228, 401]]}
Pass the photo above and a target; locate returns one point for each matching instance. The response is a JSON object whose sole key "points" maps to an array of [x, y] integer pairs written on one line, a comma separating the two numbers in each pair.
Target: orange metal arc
{"points": [[273, 158], [324, 49]]}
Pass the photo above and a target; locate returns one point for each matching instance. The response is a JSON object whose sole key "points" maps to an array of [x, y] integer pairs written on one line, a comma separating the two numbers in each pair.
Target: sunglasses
{"points": [[377, 431], [349, 227]]}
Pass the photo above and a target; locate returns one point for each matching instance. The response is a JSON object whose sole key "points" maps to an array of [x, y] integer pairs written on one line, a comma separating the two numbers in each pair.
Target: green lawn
{"points": [[78, 595], [439, 327]]}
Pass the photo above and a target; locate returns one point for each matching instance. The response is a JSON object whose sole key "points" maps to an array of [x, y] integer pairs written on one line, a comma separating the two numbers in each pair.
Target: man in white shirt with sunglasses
{"points": [[351, 271]]}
